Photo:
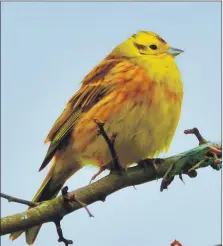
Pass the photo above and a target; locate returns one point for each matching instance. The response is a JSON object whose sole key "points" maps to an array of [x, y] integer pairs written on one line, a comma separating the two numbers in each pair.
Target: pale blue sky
{"points": [[47, 48]]}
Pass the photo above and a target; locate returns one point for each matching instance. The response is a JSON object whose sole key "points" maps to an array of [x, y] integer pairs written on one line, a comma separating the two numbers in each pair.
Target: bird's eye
{"points": [[153, 47]]}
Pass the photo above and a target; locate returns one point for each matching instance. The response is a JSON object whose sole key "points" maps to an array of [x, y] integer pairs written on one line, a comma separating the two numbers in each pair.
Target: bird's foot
{"points": [[118, 171], [97, 174]]}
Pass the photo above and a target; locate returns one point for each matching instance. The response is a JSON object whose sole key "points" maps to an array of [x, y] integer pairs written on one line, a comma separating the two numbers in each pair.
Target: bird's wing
{"points": [[97, 84]]}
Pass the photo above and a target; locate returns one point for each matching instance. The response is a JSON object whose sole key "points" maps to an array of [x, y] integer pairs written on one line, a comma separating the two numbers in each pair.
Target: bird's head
{"points": [[145, 44]]}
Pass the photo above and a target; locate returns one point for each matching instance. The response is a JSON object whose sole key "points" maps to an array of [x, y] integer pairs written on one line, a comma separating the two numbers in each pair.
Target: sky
{"points": [[46, 50]]}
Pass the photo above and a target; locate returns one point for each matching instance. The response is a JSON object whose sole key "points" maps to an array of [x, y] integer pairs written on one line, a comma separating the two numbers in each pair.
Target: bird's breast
{"points": [[144, 116]]}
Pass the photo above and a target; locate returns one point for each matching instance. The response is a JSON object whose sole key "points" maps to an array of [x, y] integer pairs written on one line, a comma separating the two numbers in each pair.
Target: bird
{"points": [[137, 92]]}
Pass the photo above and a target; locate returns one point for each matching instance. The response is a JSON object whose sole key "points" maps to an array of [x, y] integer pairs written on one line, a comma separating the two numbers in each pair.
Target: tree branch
{"points": [[18, 200], [53, 210]]}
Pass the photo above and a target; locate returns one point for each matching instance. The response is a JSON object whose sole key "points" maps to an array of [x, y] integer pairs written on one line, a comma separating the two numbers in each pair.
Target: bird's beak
{"points": [[174, 51]]}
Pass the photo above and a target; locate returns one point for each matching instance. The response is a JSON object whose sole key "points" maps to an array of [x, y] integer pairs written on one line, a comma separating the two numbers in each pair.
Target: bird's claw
{"points": [[118, 171], [101, 169]]}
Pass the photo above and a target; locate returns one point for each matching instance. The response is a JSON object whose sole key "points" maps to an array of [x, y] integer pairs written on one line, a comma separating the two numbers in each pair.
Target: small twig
{"points": [[110, 142], [60, 234], [18, 200], [68, 198], [84, 205], [196, 132], [71, 198]]}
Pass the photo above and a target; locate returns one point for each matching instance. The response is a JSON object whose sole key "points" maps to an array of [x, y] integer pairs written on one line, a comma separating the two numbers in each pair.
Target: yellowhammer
{"points": [[137, 92]]}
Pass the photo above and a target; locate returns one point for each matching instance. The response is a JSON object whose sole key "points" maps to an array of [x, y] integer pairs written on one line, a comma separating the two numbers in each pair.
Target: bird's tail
{"points": [[48, 190], [43, 193]]}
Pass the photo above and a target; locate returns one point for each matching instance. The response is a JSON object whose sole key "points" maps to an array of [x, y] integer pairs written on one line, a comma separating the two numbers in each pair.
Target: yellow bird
{"points": [[137, 92]]}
